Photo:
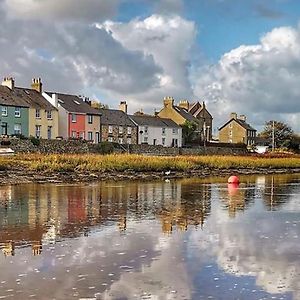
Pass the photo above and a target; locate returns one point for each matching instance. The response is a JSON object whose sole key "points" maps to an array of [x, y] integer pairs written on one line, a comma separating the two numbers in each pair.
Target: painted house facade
{"points": [[77, 119], [153, 130], [25, 111], [237, 130]]}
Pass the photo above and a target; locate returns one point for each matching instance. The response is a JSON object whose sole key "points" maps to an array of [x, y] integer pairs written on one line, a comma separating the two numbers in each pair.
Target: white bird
{"points": [[167, 172]]}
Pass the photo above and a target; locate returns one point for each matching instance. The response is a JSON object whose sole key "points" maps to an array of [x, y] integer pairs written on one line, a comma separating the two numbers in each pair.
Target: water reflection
{"points": [[186, 239]]}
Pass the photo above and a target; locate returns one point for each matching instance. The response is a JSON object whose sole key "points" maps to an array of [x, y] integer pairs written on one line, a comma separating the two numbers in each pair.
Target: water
{"points": [[186, 239]]}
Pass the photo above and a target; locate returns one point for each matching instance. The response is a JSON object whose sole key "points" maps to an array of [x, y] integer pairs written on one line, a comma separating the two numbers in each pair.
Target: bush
{"points": [[5, 143], [35, 141], [105, 148], [19, 136]]}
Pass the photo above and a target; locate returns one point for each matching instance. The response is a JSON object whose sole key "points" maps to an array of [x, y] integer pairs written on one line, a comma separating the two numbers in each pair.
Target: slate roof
{"points": [[115, 117], [240, 122], [185, 114], [23, 97], [74, 104], [153, 121], [11, 97]]}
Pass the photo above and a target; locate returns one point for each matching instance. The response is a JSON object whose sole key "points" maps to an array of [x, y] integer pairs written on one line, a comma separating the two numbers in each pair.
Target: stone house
{"points": [[153, 130], [117, 127], [25, 111], [237, 130], [77, 119], [185, 111]]}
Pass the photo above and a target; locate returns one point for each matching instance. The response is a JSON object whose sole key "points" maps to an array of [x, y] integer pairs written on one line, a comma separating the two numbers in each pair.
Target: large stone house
{"points": [[237, 130], [77, 119], [185, 111], [153, 130], [117, 127], [25, 111]]}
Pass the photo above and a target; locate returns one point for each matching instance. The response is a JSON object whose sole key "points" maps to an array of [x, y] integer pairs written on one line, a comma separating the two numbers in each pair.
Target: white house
{"points": [[153, 130]]}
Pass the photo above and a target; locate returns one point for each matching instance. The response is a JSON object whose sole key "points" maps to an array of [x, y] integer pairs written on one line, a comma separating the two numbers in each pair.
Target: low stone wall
{"points": [[81, 147]]}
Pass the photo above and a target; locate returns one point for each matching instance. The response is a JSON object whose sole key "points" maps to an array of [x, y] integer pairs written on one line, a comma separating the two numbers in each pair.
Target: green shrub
{"points": [[35, 141], [105, 148]]}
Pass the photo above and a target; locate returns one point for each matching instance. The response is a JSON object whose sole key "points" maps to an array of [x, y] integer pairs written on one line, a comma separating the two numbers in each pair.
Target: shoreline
{"points": [[25, 176]]}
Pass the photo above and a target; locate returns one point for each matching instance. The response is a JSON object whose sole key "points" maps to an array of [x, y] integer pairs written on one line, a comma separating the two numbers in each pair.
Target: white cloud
{"points": [[168, 39], [261, 81], [92, 10]]}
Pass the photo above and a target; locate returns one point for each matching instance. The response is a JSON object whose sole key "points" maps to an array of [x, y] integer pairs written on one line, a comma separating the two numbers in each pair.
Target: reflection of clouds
{"points": [[260, 244]]}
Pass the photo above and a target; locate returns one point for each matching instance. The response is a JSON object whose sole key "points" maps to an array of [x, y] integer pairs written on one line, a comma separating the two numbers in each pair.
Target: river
{"points": [[161, 240]]}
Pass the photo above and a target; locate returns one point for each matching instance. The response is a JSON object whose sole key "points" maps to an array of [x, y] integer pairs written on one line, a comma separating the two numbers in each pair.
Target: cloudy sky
{"points": [[241, 56]]}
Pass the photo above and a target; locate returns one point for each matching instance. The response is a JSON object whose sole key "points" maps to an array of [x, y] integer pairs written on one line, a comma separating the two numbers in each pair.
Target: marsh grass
{"points": [[140, 163]]}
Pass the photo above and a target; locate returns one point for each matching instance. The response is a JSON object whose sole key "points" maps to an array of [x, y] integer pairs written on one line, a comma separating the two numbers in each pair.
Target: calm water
{"points": [[186, 239]]}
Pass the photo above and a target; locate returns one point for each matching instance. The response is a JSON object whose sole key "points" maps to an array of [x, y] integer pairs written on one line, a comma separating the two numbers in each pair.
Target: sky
{"points": [[236, 55]]}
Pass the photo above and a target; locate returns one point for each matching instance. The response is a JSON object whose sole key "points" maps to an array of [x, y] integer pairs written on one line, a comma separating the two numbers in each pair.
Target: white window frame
{"points": [[4, 111], [90, 136], [121, 141], [163, 141], [19, 130], [110, 139], [129, 130], [175, 130], [145, 139], [49, 129], [38, 130], [37, 113], [90, 119], [73, 134], [121, 129], [73, 118], [49, 114], [110, 129], [17, 112], [163, 131], [129, 141]]}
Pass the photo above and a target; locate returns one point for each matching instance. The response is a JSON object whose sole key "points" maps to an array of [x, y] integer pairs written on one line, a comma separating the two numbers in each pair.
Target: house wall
{"points": [[94, 127], [11, 120], [78, 126], [115, 135], [43, 122], [155, 133], [239, 134], [171, 113], [204, 116]]}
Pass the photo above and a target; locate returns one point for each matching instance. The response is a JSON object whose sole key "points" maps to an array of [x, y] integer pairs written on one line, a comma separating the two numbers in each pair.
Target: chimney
{"points": [[55, 100], [184, 104], [233, 115], [9, 82], [243, 118], [168, 102], [37, 84], [203, 105], [123, 106]]}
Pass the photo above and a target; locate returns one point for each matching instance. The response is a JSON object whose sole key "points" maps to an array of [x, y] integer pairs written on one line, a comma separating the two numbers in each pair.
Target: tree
{"points": [[189, 131], [283, 133]]}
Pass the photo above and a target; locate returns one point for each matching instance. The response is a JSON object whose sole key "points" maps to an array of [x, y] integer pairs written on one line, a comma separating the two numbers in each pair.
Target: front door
{"points": [[4, 128]]}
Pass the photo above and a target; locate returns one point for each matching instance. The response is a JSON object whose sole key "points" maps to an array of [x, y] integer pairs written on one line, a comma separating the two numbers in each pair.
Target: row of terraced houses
{"points": [[50, 115]]}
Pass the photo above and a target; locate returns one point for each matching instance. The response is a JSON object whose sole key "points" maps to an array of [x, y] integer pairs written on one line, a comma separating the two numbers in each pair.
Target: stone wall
{"points": [[115, 135], [153, 150], [213, 151]]}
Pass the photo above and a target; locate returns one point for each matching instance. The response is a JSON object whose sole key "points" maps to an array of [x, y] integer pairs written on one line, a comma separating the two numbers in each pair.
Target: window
{"points": [[90, 119], [4, 128], [120, 129], [49, 132], [110, 129], [146, 129], [129, 129], [145, 139], [154, 142], [128, 140], [97, 137], [49, 114], [38, 131], [73, 118], [110, 139], [163, 131], [17, 129], [17, 112], [120, 140], [163, 141], [81, 135], [175, 130], [73, 134], [4, 111], [37, 113], [90, 135]]}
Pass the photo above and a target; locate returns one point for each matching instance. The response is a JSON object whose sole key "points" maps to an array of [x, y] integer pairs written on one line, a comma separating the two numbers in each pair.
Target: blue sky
{"points": [[236, 55]]}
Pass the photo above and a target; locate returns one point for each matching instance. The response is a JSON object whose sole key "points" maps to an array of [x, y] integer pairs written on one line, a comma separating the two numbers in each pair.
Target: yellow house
{"points": [[236, 130], [43, 116]]}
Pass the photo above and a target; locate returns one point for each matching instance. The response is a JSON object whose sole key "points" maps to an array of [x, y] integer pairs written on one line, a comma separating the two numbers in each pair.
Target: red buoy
{"points": [[233, 179]]}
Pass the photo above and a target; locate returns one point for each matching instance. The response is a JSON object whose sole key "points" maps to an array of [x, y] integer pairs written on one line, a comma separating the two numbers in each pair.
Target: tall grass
{"points": [[123, 162]]}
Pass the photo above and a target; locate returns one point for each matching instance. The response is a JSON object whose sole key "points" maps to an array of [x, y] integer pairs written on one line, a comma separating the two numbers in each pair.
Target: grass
{"points": [[117, 162]]}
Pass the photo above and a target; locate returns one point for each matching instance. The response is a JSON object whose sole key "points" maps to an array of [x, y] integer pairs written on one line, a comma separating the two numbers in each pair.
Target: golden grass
{"points": [[122, 162]]}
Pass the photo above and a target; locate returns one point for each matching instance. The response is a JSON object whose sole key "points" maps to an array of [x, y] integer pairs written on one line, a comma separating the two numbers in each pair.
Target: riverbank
{"points": [[86, 168]]}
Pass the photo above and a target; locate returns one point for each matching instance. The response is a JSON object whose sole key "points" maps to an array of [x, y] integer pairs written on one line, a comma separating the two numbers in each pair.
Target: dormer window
{"points": [[17, 112]]}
